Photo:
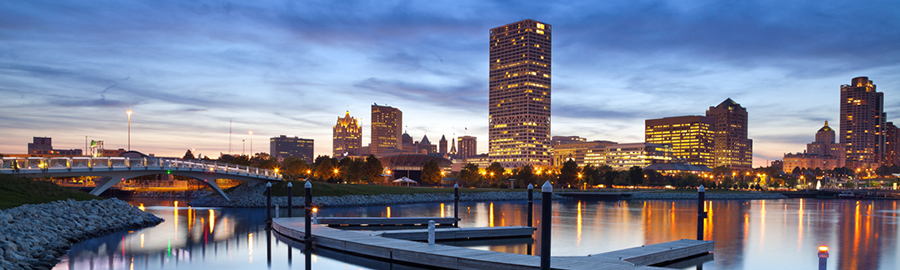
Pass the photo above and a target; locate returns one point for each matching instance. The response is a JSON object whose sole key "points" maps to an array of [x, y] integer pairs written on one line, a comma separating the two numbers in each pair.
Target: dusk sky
{"points": [[71, 69]]}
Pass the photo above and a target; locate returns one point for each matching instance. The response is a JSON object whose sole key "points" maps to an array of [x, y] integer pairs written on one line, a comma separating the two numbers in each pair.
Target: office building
{"points": [[519, 94], [283, 147], [442, 145], [347, 139], [691, 137], [576, 150], [862, 123], [43, 146], [626, 155], [467, 147], [823, 153], [892, 145], [731, 147], [387, 130]]}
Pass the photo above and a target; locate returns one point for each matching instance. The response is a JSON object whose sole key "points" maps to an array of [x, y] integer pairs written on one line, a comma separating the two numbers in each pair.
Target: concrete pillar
{"points": [[530, 204], [290, 199], [546, 209], [701, 214]]}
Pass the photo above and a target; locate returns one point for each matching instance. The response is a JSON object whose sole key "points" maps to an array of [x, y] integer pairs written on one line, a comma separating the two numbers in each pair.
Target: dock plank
{"points": [[384, 221]]}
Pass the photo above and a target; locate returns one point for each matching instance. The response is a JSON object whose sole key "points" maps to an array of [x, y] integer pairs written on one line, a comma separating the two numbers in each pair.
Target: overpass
{"points": [[113, 170]]}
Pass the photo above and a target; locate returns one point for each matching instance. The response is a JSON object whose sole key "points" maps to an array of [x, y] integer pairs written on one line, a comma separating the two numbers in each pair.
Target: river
{"points": [[770, 234]]}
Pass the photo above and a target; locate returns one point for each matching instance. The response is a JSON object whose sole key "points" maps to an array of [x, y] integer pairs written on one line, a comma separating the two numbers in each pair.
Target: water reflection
{"points": [[774, 234]]}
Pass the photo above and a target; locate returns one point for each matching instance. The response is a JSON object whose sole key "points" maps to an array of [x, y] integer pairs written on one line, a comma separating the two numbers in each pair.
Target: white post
{"points": [[276, 210], [431, 232]]}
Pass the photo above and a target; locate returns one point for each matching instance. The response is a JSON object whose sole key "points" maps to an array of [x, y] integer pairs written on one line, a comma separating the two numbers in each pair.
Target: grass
{"points": [[326, 189], [16, 191]]}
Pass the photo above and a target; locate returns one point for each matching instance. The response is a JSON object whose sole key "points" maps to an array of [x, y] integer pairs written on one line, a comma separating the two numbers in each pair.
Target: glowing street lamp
{"points": [[129, 129]]}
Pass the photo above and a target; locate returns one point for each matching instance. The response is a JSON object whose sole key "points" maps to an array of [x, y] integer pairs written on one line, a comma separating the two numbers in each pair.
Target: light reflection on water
{"points": [[775, 234]]}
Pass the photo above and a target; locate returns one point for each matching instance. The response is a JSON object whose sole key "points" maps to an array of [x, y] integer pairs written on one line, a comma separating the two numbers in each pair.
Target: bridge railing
{"points": [[68, 164]]}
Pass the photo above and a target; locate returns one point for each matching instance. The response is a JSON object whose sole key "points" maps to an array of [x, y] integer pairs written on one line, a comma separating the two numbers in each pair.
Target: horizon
{"points": [[70, 70]]}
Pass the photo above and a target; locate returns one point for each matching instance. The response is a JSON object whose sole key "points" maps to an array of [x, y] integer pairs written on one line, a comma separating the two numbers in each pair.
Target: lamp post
{"points": [[129, 129], [251, 142]]}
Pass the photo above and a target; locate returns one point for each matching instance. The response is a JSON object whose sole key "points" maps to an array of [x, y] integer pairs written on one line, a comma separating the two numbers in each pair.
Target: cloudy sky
{"points": [[70, 69]]}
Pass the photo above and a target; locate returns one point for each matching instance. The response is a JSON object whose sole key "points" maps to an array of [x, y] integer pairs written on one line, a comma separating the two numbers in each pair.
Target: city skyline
{"points": [[278, 68]]}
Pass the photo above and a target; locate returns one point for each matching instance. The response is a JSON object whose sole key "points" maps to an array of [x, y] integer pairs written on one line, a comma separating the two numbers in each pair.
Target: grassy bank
{"points": [[326, 189], [15, 191]]}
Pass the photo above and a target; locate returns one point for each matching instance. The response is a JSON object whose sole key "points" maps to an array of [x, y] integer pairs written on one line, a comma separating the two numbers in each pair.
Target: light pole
{"points": [[243, 147], [251, 142], [129, 129]]}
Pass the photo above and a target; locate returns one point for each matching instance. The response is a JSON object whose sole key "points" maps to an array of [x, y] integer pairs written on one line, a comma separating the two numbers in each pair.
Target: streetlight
{"points": [[251, 142], [129, 129]]}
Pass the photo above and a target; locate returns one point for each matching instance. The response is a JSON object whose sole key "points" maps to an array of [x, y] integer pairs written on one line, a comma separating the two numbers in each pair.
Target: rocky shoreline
{"points": [[252, 196], [708, 196], [34, 236]]}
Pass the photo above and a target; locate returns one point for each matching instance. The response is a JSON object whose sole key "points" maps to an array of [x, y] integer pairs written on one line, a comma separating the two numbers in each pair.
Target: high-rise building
{"points": [[862, 123], [44, 146], [467, 147], [519, 99], [892, 145], [283, 147], [442, 145], [691, 137], [347, 138], [731, 148], [387, 129]]}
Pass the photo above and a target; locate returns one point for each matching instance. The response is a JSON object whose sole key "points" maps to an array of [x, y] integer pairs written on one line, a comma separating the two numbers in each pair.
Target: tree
{"points": [[796, 170], [590, 175], [568, 174], [325, 170], [353, 169], [469, 173], [636, 176], [188, 155], [431, 173], [609, 178], [654, 178], [373, 169], [495, 171], [525, 175], [293, 167], [883, 171]]}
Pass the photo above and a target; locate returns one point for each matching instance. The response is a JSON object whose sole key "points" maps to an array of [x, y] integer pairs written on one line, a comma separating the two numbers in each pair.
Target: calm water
{"points": [[774, 234]]}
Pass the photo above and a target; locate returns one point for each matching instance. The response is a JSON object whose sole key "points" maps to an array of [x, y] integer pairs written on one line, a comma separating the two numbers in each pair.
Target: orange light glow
{"points": [[823, 249], [141, 207], [316, 209]]}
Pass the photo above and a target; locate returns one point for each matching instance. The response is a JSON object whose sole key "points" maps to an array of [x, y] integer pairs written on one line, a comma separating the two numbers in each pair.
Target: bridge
{"points": [[113, 170]]}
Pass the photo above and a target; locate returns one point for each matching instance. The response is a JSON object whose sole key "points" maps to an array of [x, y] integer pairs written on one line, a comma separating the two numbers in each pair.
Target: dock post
{"points": [[546, 205], [268, 201], [530, 204], [701, 214], [276, 211], [290, 199], [456, 205], [431, 232], [823, 257], [308, 206]]}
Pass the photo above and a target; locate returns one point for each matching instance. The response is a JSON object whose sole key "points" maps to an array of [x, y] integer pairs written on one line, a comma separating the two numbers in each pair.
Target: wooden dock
{"points": [[379, 221], [369, 243], [459, 233]]}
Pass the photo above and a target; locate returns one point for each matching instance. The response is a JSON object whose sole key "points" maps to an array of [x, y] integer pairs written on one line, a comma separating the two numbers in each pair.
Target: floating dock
{"points": [[458, 233], [372, 244], [379, 221]]}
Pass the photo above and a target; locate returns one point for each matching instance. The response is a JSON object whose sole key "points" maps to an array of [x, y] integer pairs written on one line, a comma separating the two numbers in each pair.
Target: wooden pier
{"points": [[459, 233], [378, 221], [372, 244]]}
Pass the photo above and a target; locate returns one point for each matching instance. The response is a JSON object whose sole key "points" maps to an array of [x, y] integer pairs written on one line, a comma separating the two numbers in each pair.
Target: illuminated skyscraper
{"points": [[732, 148], [862, 123], [519, 105], [347, 137], [691, 137], [387, 129], [467, 147]]}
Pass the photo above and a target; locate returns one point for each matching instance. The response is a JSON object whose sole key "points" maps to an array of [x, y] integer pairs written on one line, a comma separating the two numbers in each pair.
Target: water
{"points": [[774, 234]]}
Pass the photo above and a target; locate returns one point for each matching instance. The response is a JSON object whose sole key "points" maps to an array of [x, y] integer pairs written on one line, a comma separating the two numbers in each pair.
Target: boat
{"points": [[849, 195]]}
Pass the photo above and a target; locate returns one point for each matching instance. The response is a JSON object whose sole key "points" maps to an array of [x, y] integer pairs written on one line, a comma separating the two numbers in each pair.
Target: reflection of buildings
{"points": [[347, 139], [519, 94], [283, 147], [862, 123], [823, 153], [864, 234]]}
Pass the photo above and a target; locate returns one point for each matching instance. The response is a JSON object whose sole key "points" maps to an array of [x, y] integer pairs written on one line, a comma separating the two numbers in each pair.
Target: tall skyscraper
{"points": [[731, 148], [691, 137], [284, 146], [892, 145], [862, 123], [347, 137], [519, 99], [467, 147], [387, 129]]}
